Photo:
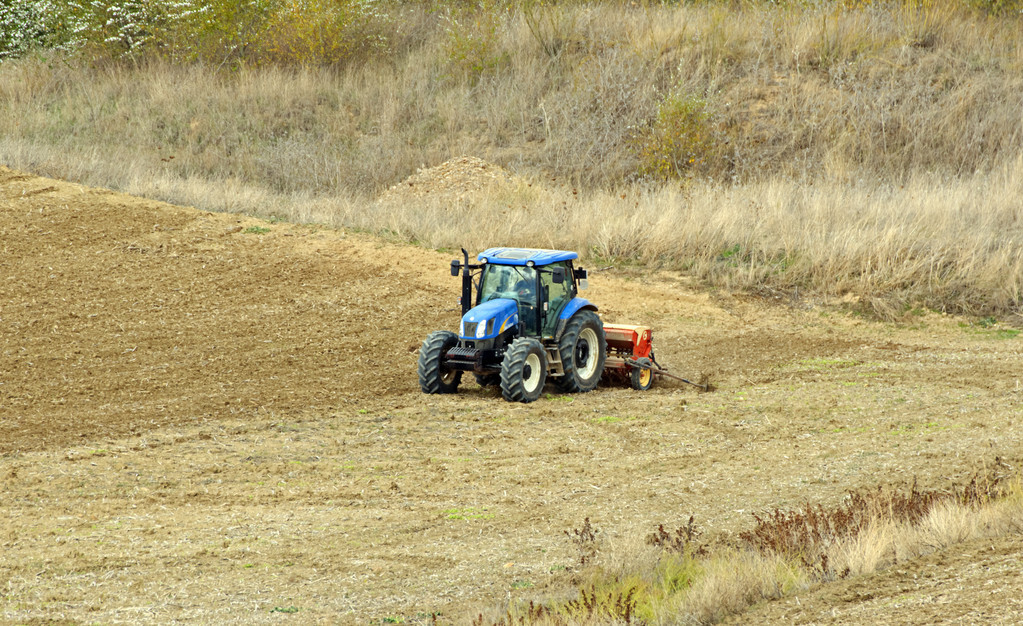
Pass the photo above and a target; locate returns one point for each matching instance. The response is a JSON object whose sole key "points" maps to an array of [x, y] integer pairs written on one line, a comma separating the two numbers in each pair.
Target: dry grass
{"points": [[791, 552], [734, 581], [809, 94], [946, 524], [946, 247], [871, 154]]}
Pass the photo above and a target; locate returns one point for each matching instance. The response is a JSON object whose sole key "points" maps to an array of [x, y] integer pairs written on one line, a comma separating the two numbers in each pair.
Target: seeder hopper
{"points": [[630, 352]]}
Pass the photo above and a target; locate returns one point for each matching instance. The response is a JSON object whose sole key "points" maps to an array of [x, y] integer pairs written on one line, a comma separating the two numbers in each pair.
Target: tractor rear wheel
{"points": [[434, 375], [642, 378], [583, 349], [524, 370]]}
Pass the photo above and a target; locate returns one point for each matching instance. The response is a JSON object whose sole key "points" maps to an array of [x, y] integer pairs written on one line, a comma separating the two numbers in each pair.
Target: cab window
{"points": [[508, 281], [514, 282], [558, 295]]}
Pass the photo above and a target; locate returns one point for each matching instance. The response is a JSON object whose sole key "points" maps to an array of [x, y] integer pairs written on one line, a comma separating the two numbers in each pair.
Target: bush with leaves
{"points": [[324, 32], [27, 25], [472, 44], [679, 142], [227, 31], [118, 28], [1002, 8], [288, 32]]}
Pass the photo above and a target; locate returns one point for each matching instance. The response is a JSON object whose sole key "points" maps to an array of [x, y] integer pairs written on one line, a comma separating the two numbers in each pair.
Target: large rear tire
{"points": [[583, 349], [434, 375], [524, 370]]}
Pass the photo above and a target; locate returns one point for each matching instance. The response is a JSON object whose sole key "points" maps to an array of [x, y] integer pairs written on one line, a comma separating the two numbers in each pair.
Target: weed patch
{"points": [[785, 551], [467, 514], [585, 539]]}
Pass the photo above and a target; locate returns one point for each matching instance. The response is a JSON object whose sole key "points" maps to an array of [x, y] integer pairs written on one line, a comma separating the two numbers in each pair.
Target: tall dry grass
{"points": [[950, 245], [871, 152], [949, 523]]}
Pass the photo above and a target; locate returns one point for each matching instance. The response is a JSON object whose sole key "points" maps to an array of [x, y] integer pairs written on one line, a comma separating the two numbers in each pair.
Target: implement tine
{"points": [[662, 372]]}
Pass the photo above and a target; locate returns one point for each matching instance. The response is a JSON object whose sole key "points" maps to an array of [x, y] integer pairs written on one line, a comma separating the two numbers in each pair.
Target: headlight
{"points": [[481, 329]]}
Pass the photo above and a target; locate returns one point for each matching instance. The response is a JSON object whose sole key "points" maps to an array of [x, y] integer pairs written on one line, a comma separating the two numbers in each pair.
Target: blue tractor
{"points": [[526, 324]]}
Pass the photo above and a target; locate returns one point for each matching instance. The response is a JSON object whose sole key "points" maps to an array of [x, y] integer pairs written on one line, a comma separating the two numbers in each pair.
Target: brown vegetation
{"points": [[786, 552]]}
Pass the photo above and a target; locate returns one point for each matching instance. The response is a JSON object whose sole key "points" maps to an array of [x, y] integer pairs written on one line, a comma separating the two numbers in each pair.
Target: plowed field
{"points": [[212, 418]]}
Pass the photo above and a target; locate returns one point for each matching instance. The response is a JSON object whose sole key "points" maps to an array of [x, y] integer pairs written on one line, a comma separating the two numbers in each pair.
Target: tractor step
{"points": [[463, 354]]}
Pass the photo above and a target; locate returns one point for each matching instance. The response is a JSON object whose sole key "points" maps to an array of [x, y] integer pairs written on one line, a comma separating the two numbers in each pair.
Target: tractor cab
{"points": [[540, 283]]}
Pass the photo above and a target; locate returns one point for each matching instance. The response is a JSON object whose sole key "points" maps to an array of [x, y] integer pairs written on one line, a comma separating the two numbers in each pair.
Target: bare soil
{"points": [[213, 418]]}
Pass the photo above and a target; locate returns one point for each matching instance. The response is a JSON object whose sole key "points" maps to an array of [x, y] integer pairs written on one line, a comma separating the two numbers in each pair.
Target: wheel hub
{"points": [[532, 371], [582, 353]]}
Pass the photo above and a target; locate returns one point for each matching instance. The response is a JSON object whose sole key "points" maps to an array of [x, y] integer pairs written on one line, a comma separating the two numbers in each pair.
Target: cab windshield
{"points": [[514, 282]]}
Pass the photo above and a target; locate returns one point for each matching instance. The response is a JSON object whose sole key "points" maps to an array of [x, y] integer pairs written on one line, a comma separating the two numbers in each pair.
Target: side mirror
{"points": [[580, 275], [558, 275], [455, 266]]}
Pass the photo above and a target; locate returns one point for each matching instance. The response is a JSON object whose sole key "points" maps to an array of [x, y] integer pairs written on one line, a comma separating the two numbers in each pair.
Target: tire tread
{"points": [[569, 383], [430, 363], [512, 383]]}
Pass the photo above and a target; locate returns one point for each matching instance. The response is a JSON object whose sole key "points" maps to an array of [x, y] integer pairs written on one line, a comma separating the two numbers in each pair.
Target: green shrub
{"points": [[21, 28], [1002, 8], [679, 142], [324, 32], [472, 42], [40, 24], [226, 31], [117, 28], [286, 32]]}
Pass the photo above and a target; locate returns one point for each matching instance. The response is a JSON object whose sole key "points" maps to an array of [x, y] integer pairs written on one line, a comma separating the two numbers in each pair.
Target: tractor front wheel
{"points": [[524, 370], [434, 375], [583, 349]]}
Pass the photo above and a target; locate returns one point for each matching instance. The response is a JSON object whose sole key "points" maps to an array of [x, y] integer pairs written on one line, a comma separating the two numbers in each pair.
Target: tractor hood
{"points": [[496, 316]]}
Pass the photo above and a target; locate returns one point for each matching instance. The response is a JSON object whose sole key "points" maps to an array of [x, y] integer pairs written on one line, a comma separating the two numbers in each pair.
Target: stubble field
{"points": [[213, 418]]}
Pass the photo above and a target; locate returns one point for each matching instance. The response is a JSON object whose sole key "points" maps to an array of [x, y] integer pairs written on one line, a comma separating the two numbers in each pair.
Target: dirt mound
{"points": [[455, 179]]}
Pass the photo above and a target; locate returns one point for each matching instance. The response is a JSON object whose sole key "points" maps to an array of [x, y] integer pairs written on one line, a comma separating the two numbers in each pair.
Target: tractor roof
{"points": [[521, 256]]}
